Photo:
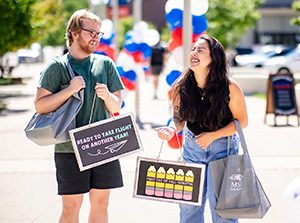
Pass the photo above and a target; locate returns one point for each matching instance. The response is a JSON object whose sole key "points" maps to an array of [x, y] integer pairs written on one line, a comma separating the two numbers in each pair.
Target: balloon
{"points": [[120, 70], [176, 141], [106, 50], [123, 104], [125, 60], [199, 24], [176, 39], [291, 198], [138, 56], [130, 46], [172, 77], [170, 94], [177, 54], [174, 18], [152, 37], [145, 49], [108, 28], [140, 26], [199, 7], [130, 75], [128, 84], [173, 4]]}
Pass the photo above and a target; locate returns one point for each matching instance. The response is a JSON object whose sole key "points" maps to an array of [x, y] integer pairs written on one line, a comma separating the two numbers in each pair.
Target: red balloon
{"points": [[137, 56], [176, 39], [128, 84], [196, 36], [170, 94], [176, 141], [108, 50]]}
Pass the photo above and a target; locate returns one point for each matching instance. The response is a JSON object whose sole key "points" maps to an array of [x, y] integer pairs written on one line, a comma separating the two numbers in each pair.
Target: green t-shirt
{"points": [[93, 69]]}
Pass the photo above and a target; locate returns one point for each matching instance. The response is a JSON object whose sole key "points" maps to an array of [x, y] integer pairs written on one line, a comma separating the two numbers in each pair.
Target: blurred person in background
{"points": [[157, 64]]}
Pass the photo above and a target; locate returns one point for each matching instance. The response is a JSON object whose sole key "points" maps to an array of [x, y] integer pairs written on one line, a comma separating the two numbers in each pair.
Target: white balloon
{"points": [[140, 26], [199, 7], [107, 27], [172, 65], [151, 37], [125, 61], [291, 197], [138, 36], [177, 54], [173, 4]]}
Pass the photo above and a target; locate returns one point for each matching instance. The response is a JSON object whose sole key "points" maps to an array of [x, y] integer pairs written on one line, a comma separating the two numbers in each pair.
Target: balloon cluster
{"points": [[106, 46], [174, 17], [137, 49]]}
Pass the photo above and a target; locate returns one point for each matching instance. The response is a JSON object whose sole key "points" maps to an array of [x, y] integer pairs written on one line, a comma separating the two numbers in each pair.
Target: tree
{"points": [[296, 8], [229, 20], [15, 23], [51, 19]]}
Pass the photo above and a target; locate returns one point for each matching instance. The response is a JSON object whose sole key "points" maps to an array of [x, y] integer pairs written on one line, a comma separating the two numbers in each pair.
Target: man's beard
{"points": [[85, 46]]}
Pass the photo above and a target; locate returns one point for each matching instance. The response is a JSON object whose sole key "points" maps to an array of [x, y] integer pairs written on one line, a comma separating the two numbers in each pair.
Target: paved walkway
{"points": [[28, 185]]}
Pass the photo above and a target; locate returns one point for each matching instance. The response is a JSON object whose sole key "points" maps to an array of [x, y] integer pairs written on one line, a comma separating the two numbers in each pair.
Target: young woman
{"points": [[206, 101]]}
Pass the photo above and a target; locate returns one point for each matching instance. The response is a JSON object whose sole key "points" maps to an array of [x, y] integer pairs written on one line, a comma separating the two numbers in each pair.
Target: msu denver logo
{"points": [[236, 182]]}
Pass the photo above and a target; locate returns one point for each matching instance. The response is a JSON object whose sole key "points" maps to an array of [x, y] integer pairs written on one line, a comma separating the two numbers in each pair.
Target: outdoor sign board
{"points": [[169, 181], [283, 95], [104, 141], [281, 99]]}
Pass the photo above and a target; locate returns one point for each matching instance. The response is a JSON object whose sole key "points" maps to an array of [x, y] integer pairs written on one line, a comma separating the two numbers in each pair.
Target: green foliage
{"points": [[15, 23], [52, 17], [125, 24], [165, 34], [296, 8], [229, 20]]}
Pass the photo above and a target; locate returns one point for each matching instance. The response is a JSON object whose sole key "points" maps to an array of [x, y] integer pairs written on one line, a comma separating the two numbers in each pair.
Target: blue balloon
{"points": [[172, 77], [199, 24], [145, 49], [120, 70], [174, 18], [130, 46], [130, 75], [123, 104]]}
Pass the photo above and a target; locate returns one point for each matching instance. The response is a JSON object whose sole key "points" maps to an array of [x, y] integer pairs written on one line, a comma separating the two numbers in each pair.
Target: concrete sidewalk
{"points": [[27, 173]]}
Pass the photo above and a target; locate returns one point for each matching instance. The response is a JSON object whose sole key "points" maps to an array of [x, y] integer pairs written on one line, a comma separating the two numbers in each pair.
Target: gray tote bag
{"points": [[53, 127], [238, 189]]}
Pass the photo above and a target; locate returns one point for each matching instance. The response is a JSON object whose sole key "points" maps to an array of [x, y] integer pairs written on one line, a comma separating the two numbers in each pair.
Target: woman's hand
{"points": [[165, 132], [205, 139]]}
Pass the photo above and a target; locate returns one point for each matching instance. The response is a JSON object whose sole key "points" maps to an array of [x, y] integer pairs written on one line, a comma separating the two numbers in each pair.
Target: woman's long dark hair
{"points": [[216, 89]]}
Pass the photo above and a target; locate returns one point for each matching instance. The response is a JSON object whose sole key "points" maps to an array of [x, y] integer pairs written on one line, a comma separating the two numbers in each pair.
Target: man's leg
{"points": [[99, 199], [70, 208]]}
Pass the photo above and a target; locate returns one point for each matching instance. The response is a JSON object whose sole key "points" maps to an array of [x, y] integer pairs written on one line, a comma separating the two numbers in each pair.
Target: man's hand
{"points": [[102, 91], [76, 84]]}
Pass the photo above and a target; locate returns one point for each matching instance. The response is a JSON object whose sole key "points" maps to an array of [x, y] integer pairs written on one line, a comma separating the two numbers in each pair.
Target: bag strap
{"points": [[162, 144], [242, 137], [71, 72]]}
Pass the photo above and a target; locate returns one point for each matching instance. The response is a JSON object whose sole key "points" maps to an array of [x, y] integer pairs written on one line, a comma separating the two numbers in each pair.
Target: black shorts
{"points": [[156, 70], [71, 181]]}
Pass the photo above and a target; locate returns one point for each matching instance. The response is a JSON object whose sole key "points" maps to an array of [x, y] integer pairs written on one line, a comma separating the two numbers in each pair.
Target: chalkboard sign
{"points": [[104, 141], [281, 99], [169, 181], [284, 95]]}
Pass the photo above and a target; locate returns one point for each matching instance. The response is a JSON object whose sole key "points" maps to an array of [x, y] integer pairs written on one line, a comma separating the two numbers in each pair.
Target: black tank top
{"points": [[197, 126]]}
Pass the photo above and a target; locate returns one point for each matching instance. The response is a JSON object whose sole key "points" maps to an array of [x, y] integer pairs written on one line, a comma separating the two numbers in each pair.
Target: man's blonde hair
{"points": [[75, 23]]}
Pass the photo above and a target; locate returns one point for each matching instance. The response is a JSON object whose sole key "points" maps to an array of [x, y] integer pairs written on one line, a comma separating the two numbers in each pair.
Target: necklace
{"points": [[202, 93]]}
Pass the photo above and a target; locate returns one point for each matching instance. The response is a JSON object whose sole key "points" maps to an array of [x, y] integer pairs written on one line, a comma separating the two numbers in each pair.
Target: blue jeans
{"points": [[192, 153]]}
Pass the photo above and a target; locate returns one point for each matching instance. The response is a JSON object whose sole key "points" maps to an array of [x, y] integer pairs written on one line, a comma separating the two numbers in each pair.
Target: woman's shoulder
{"points": [[234, 87]]}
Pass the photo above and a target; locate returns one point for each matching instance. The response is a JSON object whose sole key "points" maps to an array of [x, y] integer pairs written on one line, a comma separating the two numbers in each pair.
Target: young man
{"points": [[97, 75]]}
